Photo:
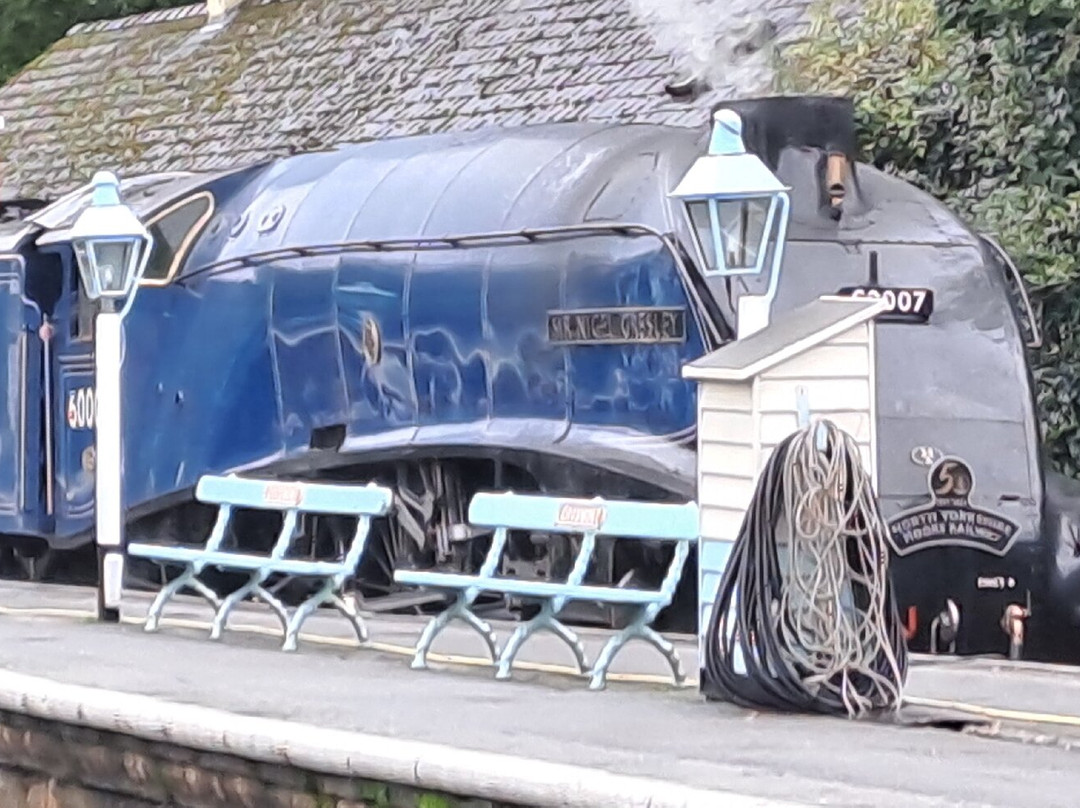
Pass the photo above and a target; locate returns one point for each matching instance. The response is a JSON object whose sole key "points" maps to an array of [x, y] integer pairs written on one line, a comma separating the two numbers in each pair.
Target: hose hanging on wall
{"points": [[814, 617]]}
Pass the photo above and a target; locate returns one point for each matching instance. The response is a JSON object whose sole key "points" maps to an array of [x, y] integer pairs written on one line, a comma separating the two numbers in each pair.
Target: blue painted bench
{"points": [[293, 498], [590, 518]]}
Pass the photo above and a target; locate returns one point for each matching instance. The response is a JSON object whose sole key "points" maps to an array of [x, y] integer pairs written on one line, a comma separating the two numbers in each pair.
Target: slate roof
{"points": [[163, 92]]}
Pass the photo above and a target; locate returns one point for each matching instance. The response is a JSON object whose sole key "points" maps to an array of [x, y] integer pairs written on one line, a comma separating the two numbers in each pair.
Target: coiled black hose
{"points": [[800, 647]]}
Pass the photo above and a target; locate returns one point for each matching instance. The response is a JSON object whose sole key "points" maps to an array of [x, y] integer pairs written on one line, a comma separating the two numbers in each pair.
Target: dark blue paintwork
{"points": [[238, 369], [20, 421]]}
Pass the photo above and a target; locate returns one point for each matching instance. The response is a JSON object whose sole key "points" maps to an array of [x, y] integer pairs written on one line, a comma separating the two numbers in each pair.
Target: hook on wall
{"points": [[802, 404]]}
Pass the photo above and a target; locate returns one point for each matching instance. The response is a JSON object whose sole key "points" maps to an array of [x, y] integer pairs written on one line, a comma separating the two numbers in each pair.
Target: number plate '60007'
{"points": [[904, 303], [81, 408]]}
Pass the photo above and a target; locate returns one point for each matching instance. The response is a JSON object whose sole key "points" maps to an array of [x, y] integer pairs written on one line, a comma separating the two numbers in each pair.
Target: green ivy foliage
{"points": [[971, 101], [28, 27]]}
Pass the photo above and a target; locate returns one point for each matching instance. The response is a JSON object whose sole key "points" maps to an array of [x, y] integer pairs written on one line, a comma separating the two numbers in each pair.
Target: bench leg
{"points": [[638, 629], [326, 594], [252, 587], [274, 604], [545, 620], [459, 610], [348, 608], [166, 593], [227, 605]]}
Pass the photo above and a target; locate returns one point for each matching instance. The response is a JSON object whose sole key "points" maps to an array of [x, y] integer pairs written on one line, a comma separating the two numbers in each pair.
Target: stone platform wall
{"points": [[46, 764]]}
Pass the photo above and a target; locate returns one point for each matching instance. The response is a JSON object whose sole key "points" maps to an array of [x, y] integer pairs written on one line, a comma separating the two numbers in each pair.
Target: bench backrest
{"points": [[303, 497], [602, 517], [359, 501], [591, 518]]}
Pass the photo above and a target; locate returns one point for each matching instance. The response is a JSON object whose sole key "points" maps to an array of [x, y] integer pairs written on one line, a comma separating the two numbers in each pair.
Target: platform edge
{"points": [[477, 774]]}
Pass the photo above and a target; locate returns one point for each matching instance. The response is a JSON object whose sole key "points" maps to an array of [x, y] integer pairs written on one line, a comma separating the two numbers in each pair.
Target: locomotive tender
{"points": [[511, 308]]}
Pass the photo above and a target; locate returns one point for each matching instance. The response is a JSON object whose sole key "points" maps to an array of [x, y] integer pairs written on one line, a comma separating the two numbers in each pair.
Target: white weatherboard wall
{"points": [[836, 377], [746, 409]]}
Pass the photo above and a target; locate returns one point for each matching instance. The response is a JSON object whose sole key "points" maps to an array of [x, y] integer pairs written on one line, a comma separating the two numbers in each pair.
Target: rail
{"points": [[590, 518]]}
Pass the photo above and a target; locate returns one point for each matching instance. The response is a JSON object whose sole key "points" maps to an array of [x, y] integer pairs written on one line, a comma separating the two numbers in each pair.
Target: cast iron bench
{"points": [[590, 518], [294, 498]]}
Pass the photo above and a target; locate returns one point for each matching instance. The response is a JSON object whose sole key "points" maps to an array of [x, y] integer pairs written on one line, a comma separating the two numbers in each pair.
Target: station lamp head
{"points": [[736, 207], [111, 245]]}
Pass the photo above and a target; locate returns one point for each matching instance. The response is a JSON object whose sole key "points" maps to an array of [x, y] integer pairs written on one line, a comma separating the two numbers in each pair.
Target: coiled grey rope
{"points": [[815, 619]]}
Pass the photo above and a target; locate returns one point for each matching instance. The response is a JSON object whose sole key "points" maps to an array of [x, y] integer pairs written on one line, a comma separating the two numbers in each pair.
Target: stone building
{"points": [[230, 82]]}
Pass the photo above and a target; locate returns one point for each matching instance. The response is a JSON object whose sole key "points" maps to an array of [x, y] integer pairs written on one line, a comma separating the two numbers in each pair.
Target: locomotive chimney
{"points": [[822, 123]]}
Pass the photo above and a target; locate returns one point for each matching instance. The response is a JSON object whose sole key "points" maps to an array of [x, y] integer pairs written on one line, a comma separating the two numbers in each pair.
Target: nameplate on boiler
{"points": [[617, 325]]}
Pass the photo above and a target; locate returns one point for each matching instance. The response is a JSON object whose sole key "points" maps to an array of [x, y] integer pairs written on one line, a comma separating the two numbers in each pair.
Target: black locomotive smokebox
{"points": [[819, 132], [773, 124]]}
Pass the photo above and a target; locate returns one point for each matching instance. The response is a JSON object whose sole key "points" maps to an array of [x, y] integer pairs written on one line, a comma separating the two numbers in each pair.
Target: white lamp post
{"points": [[112, 248], [738, 212]]}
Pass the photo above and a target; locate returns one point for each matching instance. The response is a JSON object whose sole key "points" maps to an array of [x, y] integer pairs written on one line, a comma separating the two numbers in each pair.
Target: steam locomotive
{"points": [[510, 309]]}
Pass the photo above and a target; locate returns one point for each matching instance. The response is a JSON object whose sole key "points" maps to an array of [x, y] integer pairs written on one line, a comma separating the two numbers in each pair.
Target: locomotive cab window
{"points": [[173, 231]]}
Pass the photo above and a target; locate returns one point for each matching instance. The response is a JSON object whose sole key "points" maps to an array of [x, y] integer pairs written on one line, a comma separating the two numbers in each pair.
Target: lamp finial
{"points": [[106, 189], [727, 133]]}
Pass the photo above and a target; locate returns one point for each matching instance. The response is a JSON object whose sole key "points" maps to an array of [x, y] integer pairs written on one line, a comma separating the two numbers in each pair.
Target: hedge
{"points": [[970, 100]]}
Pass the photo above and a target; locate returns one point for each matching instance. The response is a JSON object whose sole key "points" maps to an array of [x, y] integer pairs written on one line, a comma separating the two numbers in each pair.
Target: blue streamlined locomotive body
{"points": [[512, 309]]}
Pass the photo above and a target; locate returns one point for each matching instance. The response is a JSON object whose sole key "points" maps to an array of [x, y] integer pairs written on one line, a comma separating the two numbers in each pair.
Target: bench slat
{"points": [[244, 561], [512, 586], [165, 553], [290, 566], [284, 495], [632, 520]]}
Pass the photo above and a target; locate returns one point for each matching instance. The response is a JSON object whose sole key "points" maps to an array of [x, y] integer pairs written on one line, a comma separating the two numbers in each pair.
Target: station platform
{"points": [[975, 732]]}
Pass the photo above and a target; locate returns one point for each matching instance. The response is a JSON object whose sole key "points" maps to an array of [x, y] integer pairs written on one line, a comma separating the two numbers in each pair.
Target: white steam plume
{"points": [[718, 41]]}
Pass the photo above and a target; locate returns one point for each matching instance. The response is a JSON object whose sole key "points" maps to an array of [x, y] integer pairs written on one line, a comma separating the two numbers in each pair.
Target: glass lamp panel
{"points": [[115, 263], [698, 209], [86, 268], [742, 229]]}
